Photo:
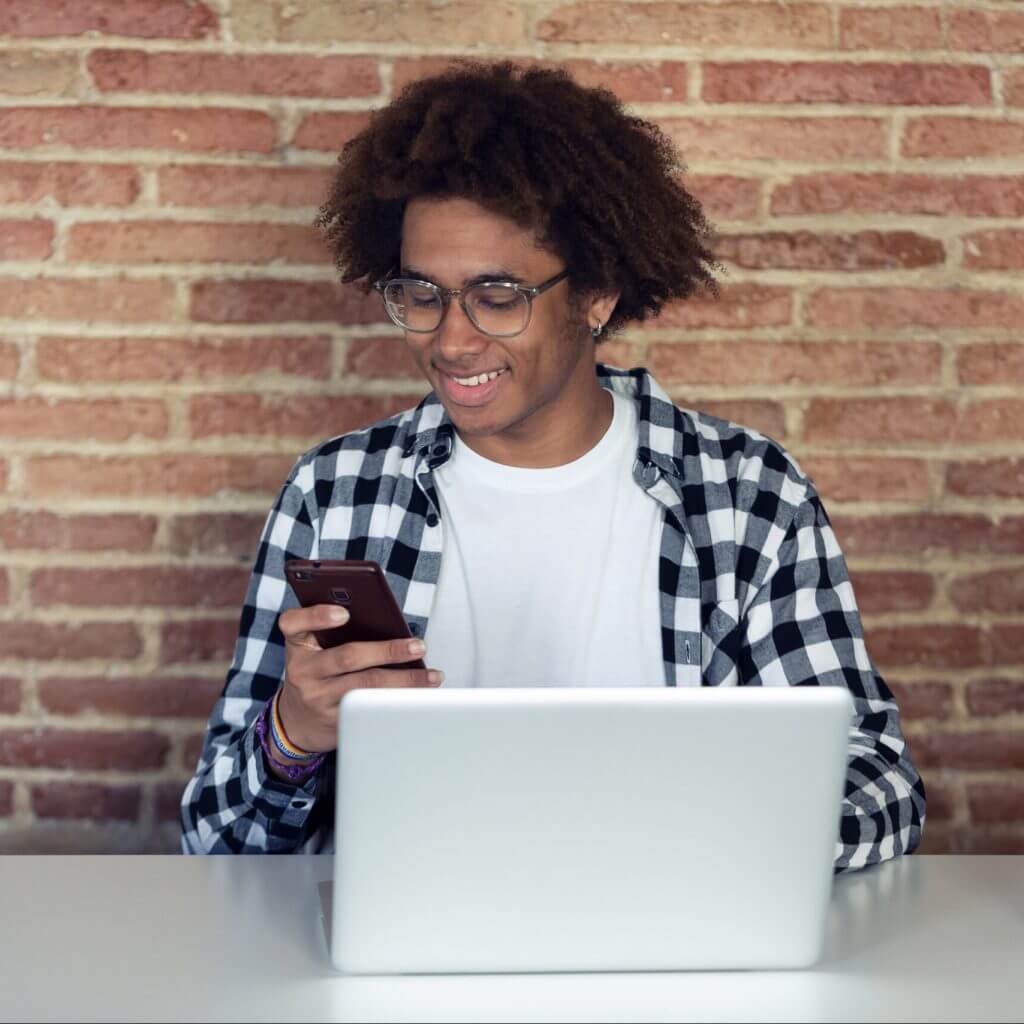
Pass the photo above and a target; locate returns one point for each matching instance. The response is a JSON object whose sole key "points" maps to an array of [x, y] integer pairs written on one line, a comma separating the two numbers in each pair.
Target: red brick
{"points": [[740, 305], [927, 645], [168, 800], [997, 420], [981, 843], [928, 533], [26, 239], [795, 362], [42, 530], [10, 695], [90, 800], [749, 25], [725, 196], [992, 31], [991, 362], [198, 640], [659, 81], [329, 130], [4, 474], [969, 751], [167, 697], [737, 137], [941, 801], [994, 250], [992, 478], [5, 587], [986, 697], [1013, 87], [380, 357], [113, 419], [913, 307], [139, 586], [77, 360], [68, 184], [82, 750], [10, 360], [864, 478], [106, 299], [48, 640], [767, 417], [472, 22], [190, 130], [239, 185], [191, 751], [219, 534], [270, 301], [920, 700], [232, 414], [997, 590], [171, 241], [878, 592], [155, 476], [952, 136], [936, 195], [257, 74], [1005, 645], [889, 28], [897, 420], [6, 799], [809, 250], [150, 19], [836, 82]]}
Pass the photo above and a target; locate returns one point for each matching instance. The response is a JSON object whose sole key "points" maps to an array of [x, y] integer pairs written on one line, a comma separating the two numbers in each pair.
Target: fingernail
{"points": [[338, 615], [417, 647], [435, 677]]}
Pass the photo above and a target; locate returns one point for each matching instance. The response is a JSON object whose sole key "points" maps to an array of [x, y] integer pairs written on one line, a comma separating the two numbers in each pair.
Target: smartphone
{"points": [[362, 588]]}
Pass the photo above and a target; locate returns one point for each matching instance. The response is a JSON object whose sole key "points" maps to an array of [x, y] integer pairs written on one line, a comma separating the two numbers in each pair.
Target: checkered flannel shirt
{"points": [[754, 591]]}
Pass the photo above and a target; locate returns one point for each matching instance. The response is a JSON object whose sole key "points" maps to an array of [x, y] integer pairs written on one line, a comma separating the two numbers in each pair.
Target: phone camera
{"points": [[302, 576]]}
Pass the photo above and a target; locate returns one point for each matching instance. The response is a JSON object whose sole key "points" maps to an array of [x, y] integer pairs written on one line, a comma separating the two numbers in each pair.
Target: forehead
{"points": [[453, 234]]}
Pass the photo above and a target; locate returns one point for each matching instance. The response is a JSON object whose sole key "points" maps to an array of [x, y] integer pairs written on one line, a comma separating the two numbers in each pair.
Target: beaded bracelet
{"points": [[301, 772]]}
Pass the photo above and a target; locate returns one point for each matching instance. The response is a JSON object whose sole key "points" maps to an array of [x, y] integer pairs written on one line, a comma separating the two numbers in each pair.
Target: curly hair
{"points": [[598, 187]]}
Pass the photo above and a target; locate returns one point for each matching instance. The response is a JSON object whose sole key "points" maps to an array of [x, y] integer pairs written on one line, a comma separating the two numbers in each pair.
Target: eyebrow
{"points": [[497, 274]]}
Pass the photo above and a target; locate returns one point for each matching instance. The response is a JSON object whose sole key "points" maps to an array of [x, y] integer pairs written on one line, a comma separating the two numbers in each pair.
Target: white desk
{"points": [[241, 939]]}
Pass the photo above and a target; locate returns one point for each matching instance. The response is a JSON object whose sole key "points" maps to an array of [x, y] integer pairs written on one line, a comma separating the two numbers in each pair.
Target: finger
{"points": [[363, 654], [381, 679], [300, 625]]}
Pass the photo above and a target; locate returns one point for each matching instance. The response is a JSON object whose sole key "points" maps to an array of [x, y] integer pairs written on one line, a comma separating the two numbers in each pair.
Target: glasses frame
{"points": [[447, 294]]}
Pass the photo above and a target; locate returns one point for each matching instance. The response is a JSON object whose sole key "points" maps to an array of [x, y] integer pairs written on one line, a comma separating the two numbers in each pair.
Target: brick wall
{"points": [[171, 338]]}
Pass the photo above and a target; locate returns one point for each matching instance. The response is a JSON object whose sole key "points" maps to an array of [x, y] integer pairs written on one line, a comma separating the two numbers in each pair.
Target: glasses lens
{"points": [[412, 305], [498, 308]]}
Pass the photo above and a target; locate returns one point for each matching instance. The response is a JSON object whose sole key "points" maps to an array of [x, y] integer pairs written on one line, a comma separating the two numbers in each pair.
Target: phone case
{"points": [[362, 588]]}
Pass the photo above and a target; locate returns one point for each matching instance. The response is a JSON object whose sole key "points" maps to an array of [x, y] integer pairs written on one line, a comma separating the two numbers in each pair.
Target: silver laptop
{"points": [[586, 829]]}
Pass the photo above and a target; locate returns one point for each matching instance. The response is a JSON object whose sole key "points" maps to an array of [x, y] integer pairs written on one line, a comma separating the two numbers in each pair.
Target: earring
{"points": [[595, 332]]}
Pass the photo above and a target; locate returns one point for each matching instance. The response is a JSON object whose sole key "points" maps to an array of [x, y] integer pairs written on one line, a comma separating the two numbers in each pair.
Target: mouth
{"points": [[472, 394]]}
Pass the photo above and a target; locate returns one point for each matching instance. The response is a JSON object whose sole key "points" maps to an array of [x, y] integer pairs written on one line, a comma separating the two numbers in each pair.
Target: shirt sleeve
{"points": [[233, 804], [802, 627]]}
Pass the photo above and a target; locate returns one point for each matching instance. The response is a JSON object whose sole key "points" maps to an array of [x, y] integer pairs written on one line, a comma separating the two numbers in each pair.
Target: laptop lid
{"points": [[586, 829]]}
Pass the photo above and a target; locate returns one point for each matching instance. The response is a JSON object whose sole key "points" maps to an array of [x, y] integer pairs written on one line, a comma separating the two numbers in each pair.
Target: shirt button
{"points": [[432, 520], [299, 805], [438, 449]]}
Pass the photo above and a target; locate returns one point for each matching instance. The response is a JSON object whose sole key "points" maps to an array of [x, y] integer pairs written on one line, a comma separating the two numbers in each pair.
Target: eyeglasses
{"points": [[501, 309]]}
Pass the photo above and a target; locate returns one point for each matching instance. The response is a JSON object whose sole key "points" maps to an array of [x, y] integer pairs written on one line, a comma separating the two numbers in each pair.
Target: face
{"points": [[547, 402]]}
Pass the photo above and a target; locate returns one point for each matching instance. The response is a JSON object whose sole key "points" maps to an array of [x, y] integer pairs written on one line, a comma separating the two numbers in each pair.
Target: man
{"points": [[562, 522]]}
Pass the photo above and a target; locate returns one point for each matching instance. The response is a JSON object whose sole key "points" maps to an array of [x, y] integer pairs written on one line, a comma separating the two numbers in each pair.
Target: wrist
{"points": [[296, 772]]}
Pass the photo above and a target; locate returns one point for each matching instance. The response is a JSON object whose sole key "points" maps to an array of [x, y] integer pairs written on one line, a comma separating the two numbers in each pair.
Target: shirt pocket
{"points": [[720, 643]]}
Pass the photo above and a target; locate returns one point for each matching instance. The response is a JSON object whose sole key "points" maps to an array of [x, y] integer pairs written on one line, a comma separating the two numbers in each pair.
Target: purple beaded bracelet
{"points": [[297, 774]]}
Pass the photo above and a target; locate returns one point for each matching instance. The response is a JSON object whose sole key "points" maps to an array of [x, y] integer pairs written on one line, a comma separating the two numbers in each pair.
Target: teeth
{"points": [[472, 382]]}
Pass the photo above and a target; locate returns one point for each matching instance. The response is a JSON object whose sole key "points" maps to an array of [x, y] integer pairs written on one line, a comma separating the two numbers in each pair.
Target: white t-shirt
{"points": [[521, 599]]}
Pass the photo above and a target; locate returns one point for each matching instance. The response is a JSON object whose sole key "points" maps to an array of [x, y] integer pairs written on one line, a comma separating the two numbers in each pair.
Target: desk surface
{"points": [[241, 938]]}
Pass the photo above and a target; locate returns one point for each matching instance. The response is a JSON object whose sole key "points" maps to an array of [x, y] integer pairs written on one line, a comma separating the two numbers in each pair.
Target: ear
{"points": [[600, 309]]}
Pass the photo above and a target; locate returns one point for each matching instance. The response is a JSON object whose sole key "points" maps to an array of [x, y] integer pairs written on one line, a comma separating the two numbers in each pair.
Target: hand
{"points": [[317, 678]]}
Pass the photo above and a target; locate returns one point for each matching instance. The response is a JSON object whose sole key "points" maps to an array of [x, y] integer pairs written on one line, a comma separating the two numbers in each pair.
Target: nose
{"points": [[457, 335]]}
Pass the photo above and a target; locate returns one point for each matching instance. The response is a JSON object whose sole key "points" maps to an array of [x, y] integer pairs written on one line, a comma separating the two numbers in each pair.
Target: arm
{"points": [[234, 803], [802, 627]]}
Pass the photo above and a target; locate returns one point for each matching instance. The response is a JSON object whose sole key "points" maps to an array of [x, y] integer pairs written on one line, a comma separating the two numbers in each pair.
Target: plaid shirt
{"points": [[754, 591]]}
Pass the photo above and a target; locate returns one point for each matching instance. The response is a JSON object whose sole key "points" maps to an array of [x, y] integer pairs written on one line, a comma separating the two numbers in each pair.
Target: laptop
{"points": [[586, 829]]}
